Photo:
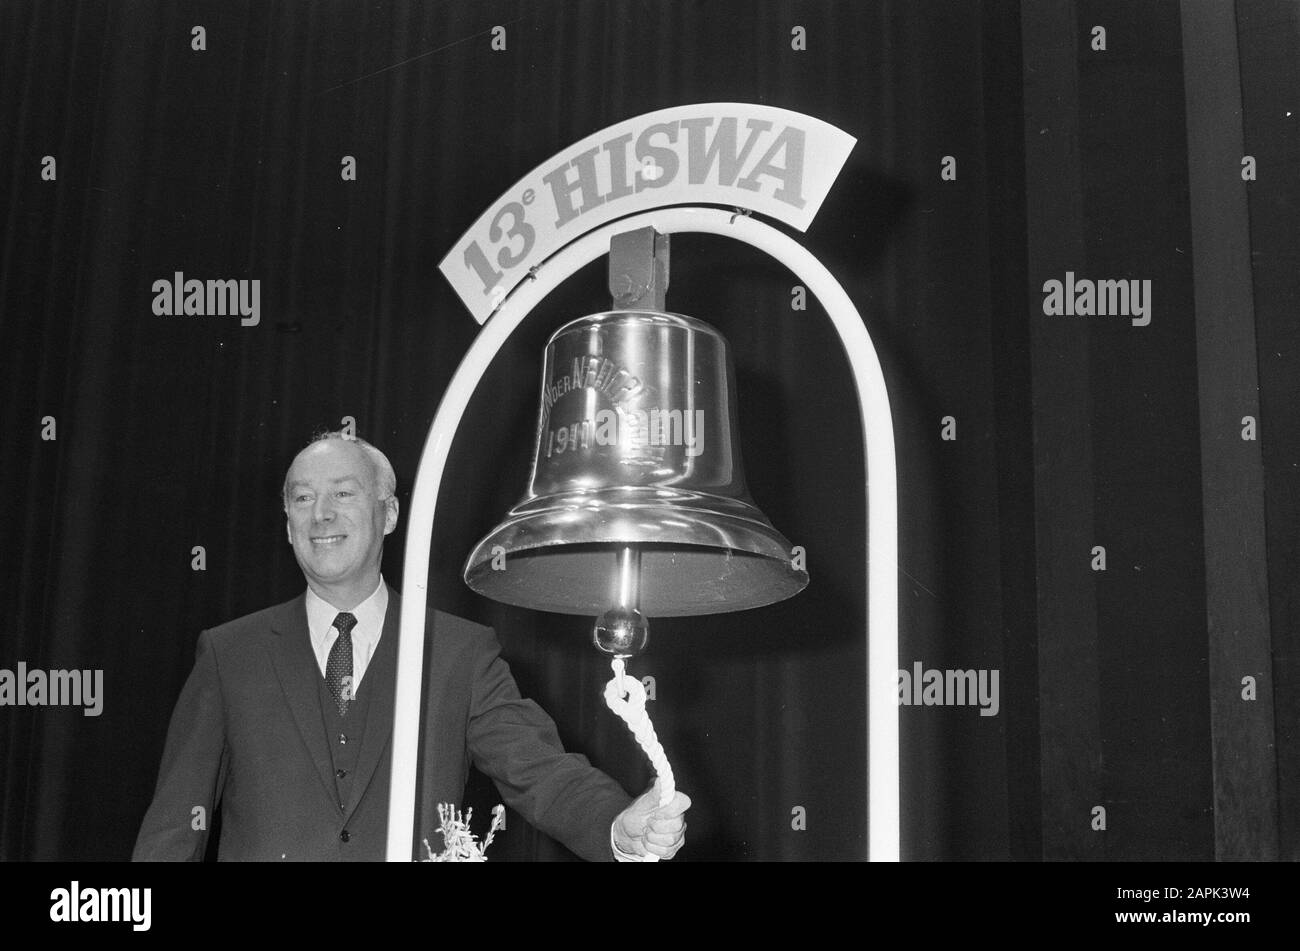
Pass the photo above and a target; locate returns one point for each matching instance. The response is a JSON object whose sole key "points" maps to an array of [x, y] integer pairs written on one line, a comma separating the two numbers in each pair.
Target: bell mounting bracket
{"points": [[638, 269]]}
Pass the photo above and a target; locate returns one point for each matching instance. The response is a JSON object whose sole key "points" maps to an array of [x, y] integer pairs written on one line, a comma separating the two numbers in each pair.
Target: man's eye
{"points": [[344, 493], [302, 498]]}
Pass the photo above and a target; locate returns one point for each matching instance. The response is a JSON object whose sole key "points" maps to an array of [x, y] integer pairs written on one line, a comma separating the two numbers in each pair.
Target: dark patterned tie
{"points": [[338, 669]]}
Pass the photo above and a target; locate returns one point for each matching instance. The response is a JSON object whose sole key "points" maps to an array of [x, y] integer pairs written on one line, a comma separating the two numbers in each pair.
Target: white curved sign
{"points": [[760, 158]]}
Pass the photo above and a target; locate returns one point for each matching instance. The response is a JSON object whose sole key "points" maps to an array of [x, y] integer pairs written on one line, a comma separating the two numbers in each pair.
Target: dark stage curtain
{"points": [[175, 432]]}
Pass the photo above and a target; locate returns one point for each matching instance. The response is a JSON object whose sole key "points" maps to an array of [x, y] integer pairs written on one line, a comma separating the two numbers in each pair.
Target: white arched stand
{"points": [[882, 510]]}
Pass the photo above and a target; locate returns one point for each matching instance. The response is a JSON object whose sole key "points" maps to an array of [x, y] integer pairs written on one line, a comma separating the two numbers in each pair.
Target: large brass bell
{"points": [[637, 498], [637, 503]]}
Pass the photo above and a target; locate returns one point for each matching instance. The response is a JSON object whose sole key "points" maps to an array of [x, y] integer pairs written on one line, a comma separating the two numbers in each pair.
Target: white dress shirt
{"points": [[365, 634]]}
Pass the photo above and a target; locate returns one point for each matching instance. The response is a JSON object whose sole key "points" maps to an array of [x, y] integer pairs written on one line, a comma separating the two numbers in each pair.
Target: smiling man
{"points": [[286, 719]]}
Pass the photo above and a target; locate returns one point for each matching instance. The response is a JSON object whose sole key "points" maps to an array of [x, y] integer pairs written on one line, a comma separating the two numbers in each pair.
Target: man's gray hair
{"points": [[385, 477]]}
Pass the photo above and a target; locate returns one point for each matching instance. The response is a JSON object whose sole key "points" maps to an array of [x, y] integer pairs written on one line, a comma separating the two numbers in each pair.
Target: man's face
{"points": [[336, 520]]}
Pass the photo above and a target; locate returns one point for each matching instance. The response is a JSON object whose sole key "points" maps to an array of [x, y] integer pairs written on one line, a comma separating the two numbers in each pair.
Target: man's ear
{"points": [[288, 528], [391, 508]]}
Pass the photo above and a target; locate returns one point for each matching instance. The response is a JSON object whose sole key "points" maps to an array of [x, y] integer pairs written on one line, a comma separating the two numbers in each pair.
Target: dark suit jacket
{"points": [[248, 733]]}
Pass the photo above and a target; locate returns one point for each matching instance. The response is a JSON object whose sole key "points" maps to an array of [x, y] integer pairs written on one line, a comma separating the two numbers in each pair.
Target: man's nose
{"points": [[323, 509]]}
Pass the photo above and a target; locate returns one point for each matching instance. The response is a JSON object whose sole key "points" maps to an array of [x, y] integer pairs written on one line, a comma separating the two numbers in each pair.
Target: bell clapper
{"points": [[623, 632]]}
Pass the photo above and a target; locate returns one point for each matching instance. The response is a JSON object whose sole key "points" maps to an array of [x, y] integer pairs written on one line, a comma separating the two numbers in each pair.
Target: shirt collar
{"points": [[369, 614]]}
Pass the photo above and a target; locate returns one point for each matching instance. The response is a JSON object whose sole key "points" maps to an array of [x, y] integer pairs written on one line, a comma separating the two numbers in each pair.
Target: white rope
{"points": [[626, 697]]}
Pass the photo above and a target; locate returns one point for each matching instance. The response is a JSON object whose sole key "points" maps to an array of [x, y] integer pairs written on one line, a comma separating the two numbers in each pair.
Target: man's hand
{"points": [[645, 827]]}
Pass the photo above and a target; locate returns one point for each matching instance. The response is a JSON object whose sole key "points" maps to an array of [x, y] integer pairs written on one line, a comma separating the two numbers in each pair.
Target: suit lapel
{"points": [[380, 681], [296, 667]]}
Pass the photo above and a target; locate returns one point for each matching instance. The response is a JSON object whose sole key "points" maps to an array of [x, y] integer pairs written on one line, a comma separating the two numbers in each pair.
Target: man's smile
{"points": [[327, 540]]}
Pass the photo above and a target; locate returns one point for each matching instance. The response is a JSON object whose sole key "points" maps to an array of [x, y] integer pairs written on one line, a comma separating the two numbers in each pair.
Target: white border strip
{"points": [[882, 506]]}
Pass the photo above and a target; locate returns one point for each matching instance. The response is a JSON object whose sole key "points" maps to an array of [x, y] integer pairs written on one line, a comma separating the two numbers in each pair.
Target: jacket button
{"points": [[345, 835], [340, 773]]}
